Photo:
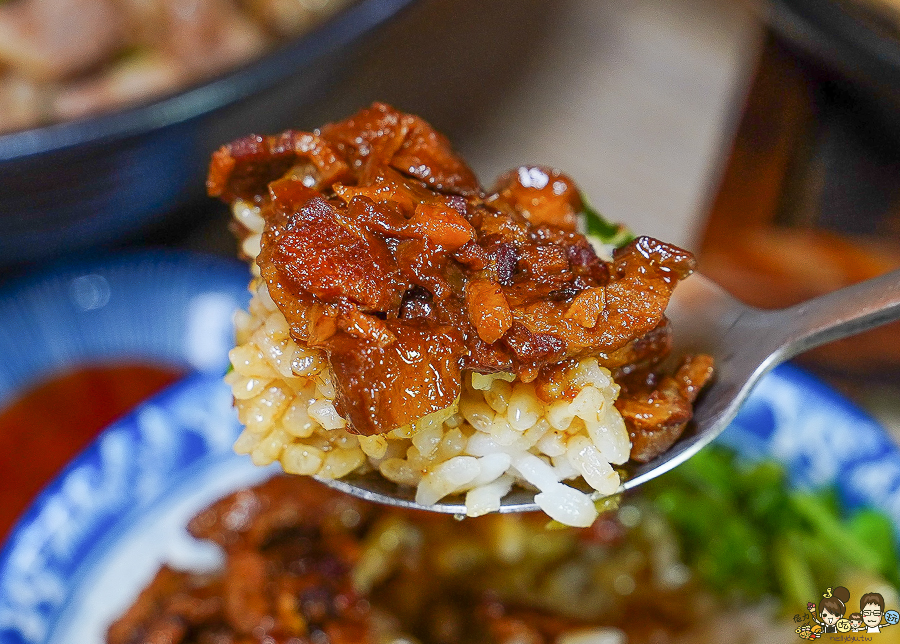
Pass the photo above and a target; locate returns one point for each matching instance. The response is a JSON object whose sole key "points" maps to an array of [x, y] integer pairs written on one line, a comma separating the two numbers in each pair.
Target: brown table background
{"points": [[809, 202]]}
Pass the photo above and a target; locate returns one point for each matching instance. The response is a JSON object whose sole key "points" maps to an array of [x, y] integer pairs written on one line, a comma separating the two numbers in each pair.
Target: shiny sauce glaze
{"points": [[381, 247]]}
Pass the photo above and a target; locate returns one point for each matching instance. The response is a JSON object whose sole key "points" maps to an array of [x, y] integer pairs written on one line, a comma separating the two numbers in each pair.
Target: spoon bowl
{"points": [[745, 343]]}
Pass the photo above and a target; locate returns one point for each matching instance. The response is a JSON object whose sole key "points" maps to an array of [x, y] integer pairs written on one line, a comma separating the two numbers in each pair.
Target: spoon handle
{"points": [[839, 314]]}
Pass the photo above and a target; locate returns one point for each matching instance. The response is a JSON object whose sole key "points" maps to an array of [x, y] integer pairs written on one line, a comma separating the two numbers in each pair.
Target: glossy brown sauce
{"points": [[53, 421], [381, 248]]}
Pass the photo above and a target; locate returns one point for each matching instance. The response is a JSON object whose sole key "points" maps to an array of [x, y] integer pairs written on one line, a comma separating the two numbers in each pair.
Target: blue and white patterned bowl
{"points": [[158, 307], [99, 532]]}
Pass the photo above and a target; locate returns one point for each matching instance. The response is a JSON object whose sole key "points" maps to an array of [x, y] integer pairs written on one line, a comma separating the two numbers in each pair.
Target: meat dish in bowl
{"points": [[70, 185]]}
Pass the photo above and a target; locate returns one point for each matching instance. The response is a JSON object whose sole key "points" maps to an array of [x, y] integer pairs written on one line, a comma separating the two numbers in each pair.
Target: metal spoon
{"points": [[745, 343]]}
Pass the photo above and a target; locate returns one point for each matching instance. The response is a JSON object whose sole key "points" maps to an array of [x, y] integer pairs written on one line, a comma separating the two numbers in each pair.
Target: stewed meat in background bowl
{"points": [[109, 109]]}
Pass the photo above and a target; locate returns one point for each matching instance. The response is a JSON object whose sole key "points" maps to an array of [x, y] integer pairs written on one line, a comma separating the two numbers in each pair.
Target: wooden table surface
{"points": [[787, 224], [809, 202]]}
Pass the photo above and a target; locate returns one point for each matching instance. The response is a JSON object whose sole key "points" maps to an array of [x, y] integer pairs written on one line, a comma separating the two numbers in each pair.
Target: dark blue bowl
{"points": [[853, 46], [90, 182]]}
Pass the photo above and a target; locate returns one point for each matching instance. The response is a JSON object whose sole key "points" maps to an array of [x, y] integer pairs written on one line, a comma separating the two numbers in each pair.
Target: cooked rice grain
{"points": [[499, 432]]}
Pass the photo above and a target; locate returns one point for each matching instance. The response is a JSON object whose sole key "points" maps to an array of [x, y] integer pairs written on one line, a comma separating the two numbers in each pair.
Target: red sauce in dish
{"points": [[48, 425]]}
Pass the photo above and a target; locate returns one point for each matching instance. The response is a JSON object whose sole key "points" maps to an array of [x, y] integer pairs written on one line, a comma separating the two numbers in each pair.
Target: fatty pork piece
{"points": [[288, 559], [381, 248]]}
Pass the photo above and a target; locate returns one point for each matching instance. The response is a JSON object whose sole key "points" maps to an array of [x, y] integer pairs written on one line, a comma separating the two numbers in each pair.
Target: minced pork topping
{"points": [[381, 248]]}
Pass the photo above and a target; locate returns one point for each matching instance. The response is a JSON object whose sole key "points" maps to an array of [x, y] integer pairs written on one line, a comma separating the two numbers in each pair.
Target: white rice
{"points": [[497, 434]]}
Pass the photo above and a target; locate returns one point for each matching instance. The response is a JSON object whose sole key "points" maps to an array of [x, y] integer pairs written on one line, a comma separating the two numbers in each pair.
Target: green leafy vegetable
{"points": [[615, 235], [747, 533]]}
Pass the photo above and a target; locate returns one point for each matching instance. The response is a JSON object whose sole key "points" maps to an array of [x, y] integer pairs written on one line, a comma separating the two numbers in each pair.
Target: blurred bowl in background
{"points": [[86, 183]]}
